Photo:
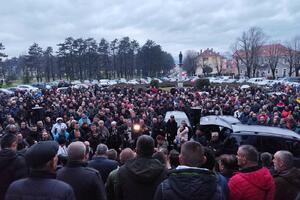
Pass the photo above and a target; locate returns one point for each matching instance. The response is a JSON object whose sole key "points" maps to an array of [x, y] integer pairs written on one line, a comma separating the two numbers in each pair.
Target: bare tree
{"points": [[272, 57], [219, 64], [190, 61], [246, 48], [293, 55], [2, 55]]}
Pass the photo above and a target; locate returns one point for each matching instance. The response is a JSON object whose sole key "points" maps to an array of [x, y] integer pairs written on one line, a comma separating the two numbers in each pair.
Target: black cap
{"points": [[40, 153]]}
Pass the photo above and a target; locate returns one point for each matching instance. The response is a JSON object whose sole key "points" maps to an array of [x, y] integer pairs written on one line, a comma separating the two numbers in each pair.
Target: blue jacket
{"points": [[84, 120], [40, 185]]}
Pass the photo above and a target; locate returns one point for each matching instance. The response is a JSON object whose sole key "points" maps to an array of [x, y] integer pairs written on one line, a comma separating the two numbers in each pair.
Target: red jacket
{"points": [[255, 184]]}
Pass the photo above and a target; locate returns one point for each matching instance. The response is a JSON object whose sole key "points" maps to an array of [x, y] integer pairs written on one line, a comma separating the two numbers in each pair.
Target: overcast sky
{"points": [[177, 25]]}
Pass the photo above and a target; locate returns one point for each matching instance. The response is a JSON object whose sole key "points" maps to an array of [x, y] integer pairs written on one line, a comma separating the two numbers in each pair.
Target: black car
{"points": [[264, 138]]}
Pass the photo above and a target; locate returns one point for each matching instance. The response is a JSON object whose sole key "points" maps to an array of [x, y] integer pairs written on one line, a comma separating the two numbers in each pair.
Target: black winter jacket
{"points": [[86, 182], [41, 185], [103, 165], [12, 168], [139, 179], [189, 184]]}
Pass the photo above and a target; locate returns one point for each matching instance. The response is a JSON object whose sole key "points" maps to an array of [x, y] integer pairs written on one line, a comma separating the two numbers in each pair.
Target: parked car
{"points": [[112, 82], [255, 80], [63, 90], [229, 80], [144, 81], [76, 82], [13, 89], [122, 80], [220, 120], [133, 82], [264, 138], [94, 82], [27, 88], [103, 82], [87, 82], [63, 83], [81, 85], [41, 86], [242, 80], [157, 79], [179, 117], [6, 91], [266, 83]]}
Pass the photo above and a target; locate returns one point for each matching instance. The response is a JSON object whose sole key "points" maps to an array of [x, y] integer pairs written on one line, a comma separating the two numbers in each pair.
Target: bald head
{"points": [[126, 154], [76, 151]]}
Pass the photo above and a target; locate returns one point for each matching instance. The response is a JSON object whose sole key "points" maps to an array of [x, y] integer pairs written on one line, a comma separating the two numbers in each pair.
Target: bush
{"points": [[167, 84], [10, 79], [26, 79], [154, 83], [200, 83]]}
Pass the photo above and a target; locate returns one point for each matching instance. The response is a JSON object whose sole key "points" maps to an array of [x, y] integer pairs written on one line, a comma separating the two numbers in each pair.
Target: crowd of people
{"points": [[113, 143]]}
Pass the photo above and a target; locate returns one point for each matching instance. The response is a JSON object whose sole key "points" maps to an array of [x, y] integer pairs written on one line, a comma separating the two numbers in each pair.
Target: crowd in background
{"points": [[100, 128]]}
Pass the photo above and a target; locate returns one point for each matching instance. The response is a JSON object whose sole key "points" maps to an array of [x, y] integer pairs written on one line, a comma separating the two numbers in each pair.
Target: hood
{"points": [[292, 176], [190, 184], [6, 157], [145, 170], [260, 178]]}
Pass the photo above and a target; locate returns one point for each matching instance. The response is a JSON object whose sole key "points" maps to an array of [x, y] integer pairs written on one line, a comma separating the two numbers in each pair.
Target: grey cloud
{"points": [[175, 24]]}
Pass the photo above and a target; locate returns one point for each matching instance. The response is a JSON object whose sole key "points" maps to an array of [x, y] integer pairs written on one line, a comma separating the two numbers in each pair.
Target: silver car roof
{"points": [[264, 131], [219, 120]]}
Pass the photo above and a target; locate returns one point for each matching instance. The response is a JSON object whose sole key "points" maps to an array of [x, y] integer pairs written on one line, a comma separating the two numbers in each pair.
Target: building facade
{"points": [[214, 62], [266, 55]]}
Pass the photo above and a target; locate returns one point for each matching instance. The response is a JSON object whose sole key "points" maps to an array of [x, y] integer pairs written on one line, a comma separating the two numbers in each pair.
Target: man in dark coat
{"points": [[171, 129], [200, 136], [12, 166], [41, 183], [188, 181], [94, 137], [287, 177], [114, 140], [101, 163], [86, 182], [140, 177]]}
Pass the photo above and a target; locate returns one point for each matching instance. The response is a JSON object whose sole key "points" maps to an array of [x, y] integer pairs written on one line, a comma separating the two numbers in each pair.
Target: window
{"points": [[276, 71], [284, 72]]}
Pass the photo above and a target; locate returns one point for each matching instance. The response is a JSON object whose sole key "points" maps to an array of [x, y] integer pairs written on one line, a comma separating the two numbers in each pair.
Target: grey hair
{"points": [[76, 151], [250, 152], [287, 158], [101, 149]]}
